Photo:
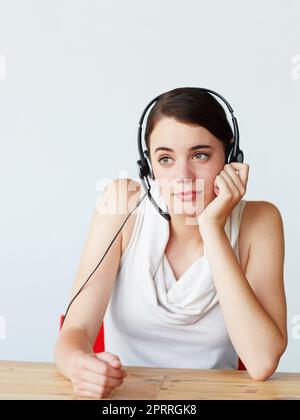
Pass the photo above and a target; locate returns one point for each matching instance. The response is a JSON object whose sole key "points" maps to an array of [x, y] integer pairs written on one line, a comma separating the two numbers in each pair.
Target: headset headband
{"points": [[237, 154]]}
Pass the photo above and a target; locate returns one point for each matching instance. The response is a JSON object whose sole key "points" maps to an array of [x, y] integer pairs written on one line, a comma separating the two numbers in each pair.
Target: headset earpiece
{"points": [[144, 166], [231, 157], [148, 163], [142, 169], [240, 157], [229, 151]]}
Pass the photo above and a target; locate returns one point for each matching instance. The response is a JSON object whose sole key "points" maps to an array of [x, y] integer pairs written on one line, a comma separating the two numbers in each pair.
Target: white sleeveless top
{"points": [[154, 320]]}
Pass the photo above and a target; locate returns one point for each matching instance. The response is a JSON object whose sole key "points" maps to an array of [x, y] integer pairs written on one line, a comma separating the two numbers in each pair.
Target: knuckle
{"points": [[236, 193], [103, 392], [103, 381], [75, 374], [100, 389], [105, 369]]}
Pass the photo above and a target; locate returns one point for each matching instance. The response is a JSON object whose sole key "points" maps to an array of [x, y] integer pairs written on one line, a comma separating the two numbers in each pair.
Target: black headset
{"points": [[145, 171], [234, 154]]}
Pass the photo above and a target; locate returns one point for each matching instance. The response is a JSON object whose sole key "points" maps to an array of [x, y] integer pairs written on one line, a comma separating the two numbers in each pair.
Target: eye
{"points": [[164, 159], [161, 160], [204, 154]]}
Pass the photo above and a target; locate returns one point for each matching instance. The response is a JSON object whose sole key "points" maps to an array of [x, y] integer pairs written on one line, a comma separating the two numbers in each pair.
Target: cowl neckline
{"points": [[193, 295]]}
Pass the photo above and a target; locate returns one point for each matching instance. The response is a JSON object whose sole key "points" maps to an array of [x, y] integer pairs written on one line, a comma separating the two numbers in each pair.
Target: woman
{"points": [[201, 290]]}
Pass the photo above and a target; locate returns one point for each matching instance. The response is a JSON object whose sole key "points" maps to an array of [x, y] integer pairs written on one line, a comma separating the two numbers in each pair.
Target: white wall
{"points": [[75, 76]]}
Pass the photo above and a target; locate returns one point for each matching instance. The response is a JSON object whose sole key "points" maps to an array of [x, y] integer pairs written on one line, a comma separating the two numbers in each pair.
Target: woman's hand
{"points": [[230, 187], [95, 375]]}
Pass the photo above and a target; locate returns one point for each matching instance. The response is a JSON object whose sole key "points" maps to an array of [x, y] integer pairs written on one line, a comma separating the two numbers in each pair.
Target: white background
{"points": [[74, 79]]}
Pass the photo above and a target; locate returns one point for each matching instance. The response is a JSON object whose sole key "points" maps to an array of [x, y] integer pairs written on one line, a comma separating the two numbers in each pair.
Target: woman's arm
{"points": [[253, 303], [86, 313]]}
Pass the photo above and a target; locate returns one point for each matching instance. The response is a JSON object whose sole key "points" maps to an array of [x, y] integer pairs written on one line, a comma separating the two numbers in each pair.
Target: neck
{"points": [[185, 229]]}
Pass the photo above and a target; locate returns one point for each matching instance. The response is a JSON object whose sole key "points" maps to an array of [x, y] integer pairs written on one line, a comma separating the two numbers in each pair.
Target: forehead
{"points": [[178, 135]]}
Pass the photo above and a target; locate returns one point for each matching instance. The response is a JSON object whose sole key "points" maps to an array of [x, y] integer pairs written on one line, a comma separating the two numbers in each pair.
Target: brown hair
{"points": [[192, 106]]}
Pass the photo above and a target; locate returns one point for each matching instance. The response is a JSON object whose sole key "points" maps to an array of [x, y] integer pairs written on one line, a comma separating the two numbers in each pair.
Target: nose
{"points": [[184, 172]]}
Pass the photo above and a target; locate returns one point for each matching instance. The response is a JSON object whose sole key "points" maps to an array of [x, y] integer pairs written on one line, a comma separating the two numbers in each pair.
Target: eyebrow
{"points": [[199, 146]]}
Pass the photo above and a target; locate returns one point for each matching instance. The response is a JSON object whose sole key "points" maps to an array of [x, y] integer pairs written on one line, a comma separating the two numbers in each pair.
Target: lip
{"points": [[188, 195]]}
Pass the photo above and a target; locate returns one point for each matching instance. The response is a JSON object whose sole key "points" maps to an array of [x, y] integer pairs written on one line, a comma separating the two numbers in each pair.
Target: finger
{"points": [[112, 361], [222, 185], [98, 366], [243, 169], [110, 358], [235, 178], [95, 391], [87, 386], [230, 184], [88, 394], [96, 379], [238, 165]]}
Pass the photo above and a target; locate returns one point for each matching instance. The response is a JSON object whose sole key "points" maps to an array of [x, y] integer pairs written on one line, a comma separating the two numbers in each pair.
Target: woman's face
{"points": [[185, 158]]}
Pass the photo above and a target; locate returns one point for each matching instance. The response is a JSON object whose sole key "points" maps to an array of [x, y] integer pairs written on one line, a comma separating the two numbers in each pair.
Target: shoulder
{"points": [[261, 206], [120, 196], [260, 214], [261, 223]]}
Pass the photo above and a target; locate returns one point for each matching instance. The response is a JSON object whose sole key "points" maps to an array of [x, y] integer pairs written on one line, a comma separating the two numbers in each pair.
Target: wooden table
{"points": [[23, 380]]}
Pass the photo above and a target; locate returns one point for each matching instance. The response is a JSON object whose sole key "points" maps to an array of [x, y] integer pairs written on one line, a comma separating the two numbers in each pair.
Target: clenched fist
{"points": [[95, 375]]}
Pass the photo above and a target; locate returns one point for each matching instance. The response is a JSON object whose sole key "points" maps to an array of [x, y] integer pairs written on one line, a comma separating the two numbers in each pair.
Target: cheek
{"points": [[165, 191], [208, 178], [156, 170], [162, 174]]}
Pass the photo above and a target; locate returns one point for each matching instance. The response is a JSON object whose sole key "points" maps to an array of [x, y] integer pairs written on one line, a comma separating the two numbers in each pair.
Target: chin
{"points": [[188, 211], [189, 208]]}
